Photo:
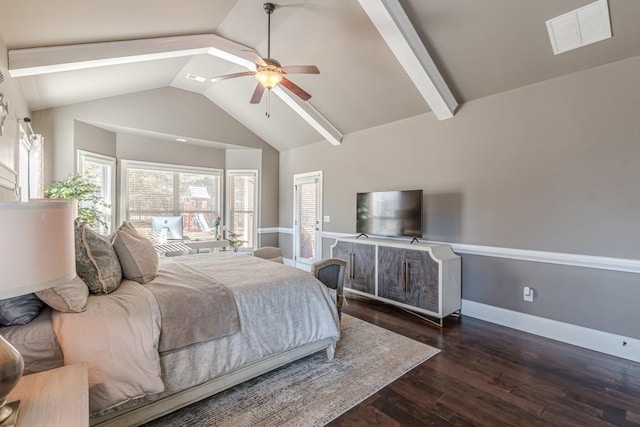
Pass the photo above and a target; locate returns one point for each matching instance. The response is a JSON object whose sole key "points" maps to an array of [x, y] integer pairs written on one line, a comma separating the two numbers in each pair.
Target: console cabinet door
{"points": [[422, 280], [408, 276], [390, 279], [361, 265]]}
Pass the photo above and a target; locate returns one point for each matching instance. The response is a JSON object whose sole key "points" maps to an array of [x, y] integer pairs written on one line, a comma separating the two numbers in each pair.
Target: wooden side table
{"points": [[58, 397]]}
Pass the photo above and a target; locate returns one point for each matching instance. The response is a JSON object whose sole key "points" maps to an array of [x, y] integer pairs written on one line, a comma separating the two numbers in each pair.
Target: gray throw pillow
{"points": [[137, 255], [19, 310], [70, 297], [96, 262]]}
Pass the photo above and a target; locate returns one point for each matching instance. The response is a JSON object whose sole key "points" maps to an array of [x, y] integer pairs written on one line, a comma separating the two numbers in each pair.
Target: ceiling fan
{"points": [[270, 73]]}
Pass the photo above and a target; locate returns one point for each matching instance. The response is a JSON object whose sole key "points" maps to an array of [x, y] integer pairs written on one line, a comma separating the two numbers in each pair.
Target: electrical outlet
{"points": [[327, 218], [528, 294]]}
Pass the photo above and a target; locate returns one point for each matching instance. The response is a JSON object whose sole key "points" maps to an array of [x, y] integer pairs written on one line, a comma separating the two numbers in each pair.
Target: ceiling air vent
{"points": [[195, 77], [580, 27]]}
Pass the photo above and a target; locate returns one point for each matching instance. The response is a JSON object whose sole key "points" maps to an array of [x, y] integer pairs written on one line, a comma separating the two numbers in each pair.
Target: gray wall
{"points": [[168, 111], [94, 139], [132, 147], [553, 167]]}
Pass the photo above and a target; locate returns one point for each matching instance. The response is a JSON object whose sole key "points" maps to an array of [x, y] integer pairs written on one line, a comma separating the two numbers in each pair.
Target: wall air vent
{"points": [[580, 27], [195, 77]]}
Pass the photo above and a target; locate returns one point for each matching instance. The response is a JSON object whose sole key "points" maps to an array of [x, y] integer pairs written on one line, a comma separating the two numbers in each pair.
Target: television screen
{"points": [[390, 213], [173, 224]]}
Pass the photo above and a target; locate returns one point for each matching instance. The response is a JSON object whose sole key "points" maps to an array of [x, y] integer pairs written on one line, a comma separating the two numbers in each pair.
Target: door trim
{"points": [[296, 240]]}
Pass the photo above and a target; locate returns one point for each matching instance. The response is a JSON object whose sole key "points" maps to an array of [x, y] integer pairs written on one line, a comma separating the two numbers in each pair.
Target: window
{"points": [[242, 202], [100, 170], [30, 166], [155, 189]]}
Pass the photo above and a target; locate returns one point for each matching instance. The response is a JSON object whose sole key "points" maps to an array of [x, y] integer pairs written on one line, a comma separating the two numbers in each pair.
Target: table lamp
{"points": [[37, 252]]}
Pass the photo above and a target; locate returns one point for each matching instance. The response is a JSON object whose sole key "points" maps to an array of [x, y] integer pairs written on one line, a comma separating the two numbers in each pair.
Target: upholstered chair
{"points": [[269, 252], [330, 271]]}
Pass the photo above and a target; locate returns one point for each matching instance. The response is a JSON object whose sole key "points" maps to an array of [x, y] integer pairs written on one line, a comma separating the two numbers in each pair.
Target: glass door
{"points": [[307, 230]]}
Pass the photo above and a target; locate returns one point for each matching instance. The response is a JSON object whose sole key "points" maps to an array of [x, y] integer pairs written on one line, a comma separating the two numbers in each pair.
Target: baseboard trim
{"points": [[289, 261], [592, 339]]}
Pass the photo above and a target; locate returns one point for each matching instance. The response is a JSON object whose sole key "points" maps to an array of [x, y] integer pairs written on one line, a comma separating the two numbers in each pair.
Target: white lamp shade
{"points": [[37, 250]]}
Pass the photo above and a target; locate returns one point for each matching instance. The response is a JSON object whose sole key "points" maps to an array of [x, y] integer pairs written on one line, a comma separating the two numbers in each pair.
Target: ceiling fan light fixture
{"points": [[268, 78]]}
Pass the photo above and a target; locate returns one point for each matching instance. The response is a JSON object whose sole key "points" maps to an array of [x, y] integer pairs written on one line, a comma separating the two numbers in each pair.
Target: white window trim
{"points": [[83, 156], [227, 201], [126, 164]]}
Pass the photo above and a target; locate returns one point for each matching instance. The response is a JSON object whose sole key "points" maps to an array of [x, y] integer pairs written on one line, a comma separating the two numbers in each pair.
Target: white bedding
{"points": [[280, 308]]}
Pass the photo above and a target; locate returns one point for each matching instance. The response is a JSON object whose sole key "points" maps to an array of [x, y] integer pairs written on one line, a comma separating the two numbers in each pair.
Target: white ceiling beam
{"points": [[45, 60], [312, 116], [396, 29]]}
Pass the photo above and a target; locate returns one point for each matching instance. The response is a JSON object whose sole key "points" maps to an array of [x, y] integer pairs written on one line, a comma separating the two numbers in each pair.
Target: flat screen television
{"points": [[390, 213], [173, 224]]}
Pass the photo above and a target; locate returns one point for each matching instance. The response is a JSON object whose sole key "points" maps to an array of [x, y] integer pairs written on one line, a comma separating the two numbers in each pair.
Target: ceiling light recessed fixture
{"points": [[181, 139], [195, 77], [580, 27]]}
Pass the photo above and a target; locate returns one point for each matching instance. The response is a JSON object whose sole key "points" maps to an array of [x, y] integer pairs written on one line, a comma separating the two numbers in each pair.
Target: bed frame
{"points": [[150, 411]]}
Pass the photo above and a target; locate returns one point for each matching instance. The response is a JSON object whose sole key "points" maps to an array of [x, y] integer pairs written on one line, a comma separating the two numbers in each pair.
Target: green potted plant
{"points": [[77, 187], [234, 240]]}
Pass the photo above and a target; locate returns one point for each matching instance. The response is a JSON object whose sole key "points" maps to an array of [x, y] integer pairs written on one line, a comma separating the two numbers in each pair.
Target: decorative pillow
{"points": [[70, 297], [137, 255], [19, 310], [96, 262]]}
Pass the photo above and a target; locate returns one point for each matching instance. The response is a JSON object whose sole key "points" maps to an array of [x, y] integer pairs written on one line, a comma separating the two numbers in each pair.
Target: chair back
{"points": [[331, 271], [269, 252]]}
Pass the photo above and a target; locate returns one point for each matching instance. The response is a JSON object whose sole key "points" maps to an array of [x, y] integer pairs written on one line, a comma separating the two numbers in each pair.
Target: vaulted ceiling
{"points": [[480, 48]]}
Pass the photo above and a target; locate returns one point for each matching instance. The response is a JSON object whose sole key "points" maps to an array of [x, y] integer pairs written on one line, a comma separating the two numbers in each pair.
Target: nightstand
{"points": [[58, 397]]}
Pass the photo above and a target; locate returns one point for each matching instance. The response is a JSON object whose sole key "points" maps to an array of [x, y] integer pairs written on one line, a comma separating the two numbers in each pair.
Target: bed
{"points": [[154, 348]]}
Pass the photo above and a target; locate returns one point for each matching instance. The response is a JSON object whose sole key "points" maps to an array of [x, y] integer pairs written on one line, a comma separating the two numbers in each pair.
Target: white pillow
{"points": [[138, 257], [70, 297]]}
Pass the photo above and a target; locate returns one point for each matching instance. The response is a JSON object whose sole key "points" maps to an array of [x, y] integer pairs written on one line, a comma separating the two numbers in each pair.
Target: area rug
{"points": [[313, 390]]}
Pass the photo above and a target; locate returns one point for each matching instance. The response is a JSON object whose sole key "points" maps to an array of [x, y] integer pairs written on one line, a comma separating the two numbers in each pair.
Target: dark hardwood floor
{"points": [[490, 375]]}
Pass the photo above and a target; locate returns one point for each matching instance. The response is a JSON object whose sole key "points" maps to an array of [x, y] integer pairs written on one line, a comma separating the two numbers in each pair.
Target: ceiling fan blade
{"points": [[231, 76], [295, 89], [257, 94], [301, 69], [257, 58]]}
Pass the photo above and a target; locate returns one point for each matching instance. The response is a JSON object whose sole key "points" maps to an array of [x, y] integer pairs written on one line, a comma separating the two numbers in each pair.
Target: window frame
{"points": [[83, 156], [256, 202], [125, 165], [30, 164]]}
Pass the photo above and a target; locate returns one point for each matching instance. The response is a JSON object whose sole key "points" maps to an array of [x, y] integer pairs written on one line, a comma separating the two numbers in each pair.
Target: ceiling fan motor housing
{"points": [[269, 8]]}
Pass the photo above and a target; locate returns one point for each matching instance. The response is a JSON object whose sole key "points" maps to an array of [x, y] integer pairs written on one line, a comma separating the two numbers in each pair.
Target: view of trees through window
{"points": [[155, 191]]}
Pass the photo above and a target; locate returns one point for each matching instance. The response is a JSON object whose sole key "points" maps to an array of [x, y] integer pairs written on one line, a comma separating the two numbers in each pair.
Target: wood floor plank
{"points": [[490, 375]]}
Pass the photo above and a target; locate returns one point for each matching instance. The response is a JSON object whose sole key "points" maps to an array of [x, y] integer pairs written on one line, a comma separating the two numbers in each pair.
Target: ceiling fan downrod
{"points": [[269, 8]]}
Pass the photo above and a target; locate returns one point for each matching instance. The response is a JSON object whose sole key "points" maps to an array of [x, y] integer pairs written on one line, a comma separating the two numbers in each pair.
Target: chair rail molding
{"points": [[626, 265]]}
